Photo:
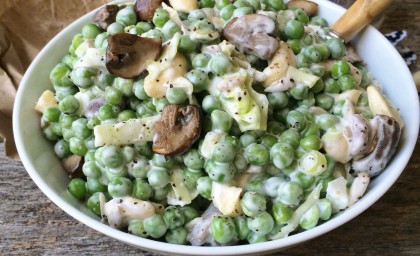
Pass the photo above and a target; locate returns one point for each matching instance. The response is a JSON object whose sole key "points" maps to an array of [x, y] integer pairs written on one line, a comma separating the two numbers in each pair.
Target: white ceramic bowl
{"points": [[38, 157]]}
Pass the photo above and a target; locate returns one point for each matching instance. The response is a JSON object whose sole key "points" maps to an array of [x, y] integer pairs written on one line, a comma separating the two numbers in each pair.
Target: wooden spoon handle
{"points": [[359, 15]]}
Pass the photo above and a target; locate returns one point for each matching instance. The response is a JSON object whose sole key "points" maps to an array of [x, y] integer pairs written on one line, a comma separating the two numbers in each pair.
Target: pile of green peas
{"points": [[270, 197]]}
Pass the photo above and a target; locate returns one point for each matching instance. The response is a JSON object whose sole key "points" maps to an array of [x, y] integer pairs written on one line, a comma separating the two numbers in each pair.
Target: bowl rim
{"points": [[157, 246]]}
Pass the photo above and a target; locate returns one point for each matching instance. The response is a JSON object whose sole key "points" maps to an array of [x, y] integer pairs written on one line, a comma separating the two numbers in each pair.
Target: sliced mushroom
{"points": [[385, 141], [106, 15], [145, 9], [73, 166], [178, 128], [251, 34], [127, 54], [307, 6], [352, 56], [199, 228]]}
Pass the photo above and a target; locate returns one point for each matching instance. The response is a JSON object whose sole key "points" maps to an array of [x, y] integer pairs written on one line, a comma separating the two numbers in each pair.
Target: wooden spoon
{"points": [[358, 16]]}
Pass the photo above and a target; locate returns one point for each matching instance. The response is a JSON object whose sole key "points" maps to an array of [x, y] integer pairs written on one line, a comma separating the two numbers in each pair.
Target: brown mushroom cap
{"points": [[73, 166], [106, 15], [178, 128], [385, 141], [126, 54], [251, 34], [310, 8], [145, 9]]}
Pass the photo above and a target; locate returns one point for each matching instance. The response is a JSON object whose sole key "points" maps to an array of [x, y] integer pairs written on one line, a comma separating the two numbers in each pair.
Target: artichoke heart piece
{"points": [[133, 131]]}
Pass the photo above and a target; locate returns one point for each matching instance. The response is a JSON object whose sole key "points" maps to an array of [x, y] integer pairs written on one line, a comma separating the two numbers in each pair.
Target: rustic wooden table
{"points": [[31, 224]]}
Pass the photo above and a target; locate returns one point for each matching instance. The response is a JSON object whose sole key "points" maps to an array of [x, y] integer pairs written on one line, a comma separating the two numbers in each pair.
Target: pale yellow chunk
{"points": [[133, 131], [277, 69], [184, 5], [299, 76], [379, 105], [46, 100], [227, 199]]}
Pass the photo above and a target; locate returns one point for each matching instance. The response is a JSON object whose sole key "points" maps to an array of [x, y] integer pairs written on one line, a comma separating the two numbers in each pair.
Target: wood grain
{"points": [[30, 224]]}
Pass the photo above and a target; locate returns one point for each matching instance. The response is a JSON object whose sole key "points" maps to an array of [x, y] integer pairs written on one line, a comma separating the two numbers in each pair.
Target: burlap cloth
{"points": [[25, 28]]}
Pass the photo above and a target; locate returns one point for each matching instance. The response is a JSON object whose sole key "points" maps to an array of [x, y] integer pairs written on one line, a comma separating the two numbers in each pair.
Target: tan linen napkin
{"points": [[25, 27]]}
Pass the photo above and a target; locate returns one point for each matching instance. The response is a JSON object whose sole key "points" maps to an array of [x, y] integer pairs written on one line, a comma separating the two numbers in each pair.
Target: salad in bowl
{"points": [[216, 122]]}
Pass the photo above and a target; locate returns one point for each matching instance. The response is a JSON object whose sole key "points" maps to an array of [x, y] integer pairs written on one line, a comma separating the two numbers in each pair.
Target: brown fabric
{"points": [[25, 27]]}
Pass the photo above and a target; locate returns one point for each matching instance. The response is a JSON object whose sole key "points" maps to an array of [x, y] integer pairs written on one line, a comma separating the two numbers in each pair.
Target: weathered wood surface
{"points": [[31, 224]]}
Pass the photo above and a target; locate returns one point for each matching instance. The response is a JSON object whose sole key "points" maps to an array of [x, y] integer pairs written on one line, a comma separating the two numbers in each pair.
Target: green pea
{"points": [[144, 150], [211, 103], [186, 45], [176, 236], [282, 155], [91, 170], [78, 146], [241, 3], [80, 129], [125, 86], [290, 193], [294, 29], [69, 104], [75, 42], [103, 79], [301, 15], [296, 120], [204, 185], [136, 228], [253, 203], [255, 186], [126, 115], [240, 162], [93, 204], [327, 121], [347, 82], [340, 68], [221, 120], [193, 159], [325, 208], [299, 92], [200, 60], [336, 47], [269, 140], [173, 217], [138, 90], [108, 111], [120, 186], [154, 33], [220, 64], [247, 139], [62, 149], [241, 226], [90, 31], [51, 114], [126, 16], [66, 120], [198, 78], [319, 21], [310, 218], [305, 180], [278, 100], [160, 17], [176, 95], [223, 152], [291, 137], [223, 229], [170, 29], [257, 154], [324, 101], [220, 4], [220, 172], [142, 190], [261, 224], [144, 26], [161, 193], [68, 60], [113, 95], [276, 5], [83, 77], [275, 128], [311, 129], [282, 213], [207, 3], [323, 50], [163, 161], [331, 86], [115, 28], [94, 186], [312, 54], [155, 226], [227, 12], [158, 177], [77, 188], [254, 238], [318, 70], [295, 45], [191, 176]]}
